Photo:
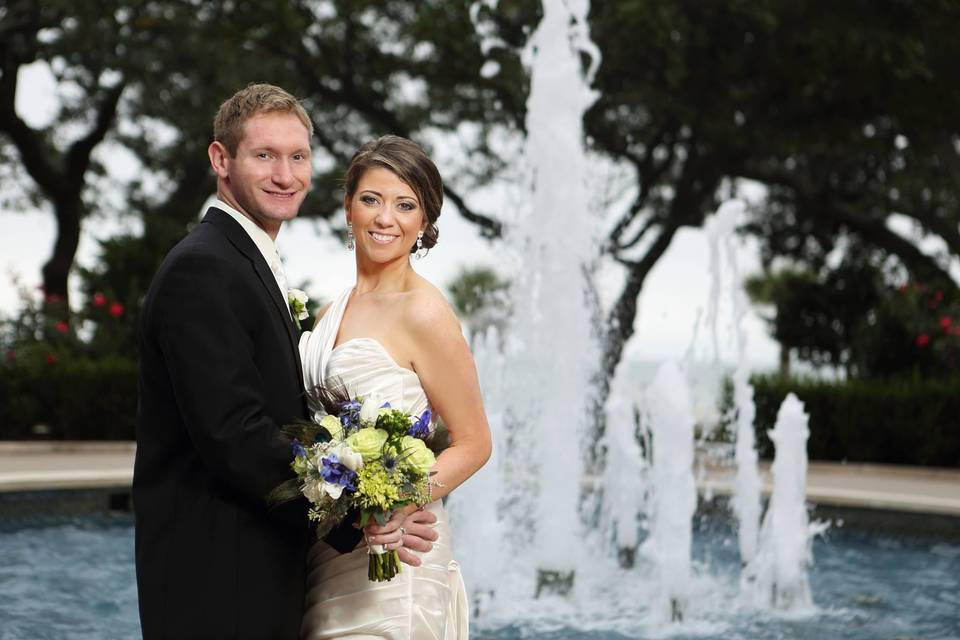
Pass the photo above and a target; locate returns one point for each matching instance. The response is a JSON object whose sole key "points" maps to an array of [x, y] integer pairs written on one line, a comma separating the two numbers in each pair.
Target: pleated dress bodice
{"points": [[362, 365]]}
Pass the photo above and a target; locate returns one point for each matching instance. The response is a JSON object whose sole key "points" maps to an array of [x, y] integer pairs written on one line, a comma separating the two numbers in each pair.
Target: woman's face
{"points": [[386, 215]]}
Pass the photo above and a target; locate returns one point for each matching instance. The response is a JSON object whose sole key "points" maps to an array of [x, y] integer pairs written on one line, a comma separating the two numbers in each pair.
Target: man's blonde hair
{"points": [[248, 102]]}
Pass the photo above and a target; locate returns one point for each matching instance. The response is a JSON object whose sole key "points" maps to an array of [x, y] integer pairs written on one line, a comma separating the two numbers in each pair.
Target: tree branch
{"points": [[876, 232], [34, 151], [489, 228], [366, 106], [649, 173], [78, 156], [873, 230]]}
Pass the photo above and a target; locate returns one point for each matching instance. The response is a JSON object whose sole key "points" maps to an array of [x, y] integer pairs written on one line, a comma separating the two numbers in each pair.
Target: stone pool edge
{"points": [[42, 466]]}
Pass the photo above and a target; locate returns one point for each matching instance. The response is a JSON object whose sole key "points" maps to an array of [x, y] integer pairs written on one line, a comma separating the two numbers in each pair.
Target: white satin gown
{"points": [[421, 603]]}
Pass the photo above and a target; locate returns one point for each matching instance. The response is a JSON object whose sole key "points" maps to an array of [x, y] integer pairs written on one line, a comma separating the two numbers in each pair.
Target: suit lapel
{"points": [[244, 244]]}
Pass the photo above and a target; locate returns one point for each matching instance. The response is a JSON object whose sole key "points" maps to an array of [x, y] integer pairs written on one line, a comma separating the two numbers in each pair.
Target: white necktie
{"points": [[276, 265]]}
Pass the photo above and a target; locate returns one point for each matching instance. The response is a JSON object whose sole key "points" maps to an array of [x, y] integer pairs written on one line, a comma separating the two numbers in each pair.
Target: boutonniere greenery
{"points": [[297, 300]]}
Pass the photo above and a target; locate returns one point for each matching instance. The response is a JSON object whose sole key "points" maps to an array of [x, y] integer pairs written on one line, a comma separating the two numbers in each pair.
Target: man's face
{"points": [[270, 175]]}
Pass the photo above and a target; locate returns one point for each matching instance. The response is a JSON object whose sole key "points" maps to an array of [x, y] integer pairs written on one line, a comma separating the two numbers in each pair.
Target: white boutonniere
{"points": [[297, 300]]}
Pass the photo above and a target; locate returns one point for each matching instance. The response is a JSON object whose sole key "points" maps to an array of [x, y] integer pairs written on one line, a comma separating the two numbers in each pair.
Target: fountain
{"points": [[626, 472], [475, 507], [777, 576], [551, 308], [669, 422], [649, 569], [720, 229], [537, 386]]}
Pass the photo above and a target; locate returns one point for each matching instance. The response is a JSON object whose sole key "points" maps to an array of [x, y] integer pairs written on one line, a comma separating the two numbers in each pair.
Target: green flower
{"points": [[416, 455], [376, 488], [393, 421], [332, 425], [368, 443], [300, 465]]}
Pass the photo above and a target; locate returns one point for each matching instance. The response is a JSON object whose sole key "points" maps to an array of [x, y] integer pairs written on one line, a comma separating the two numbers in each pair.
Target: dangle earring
{"points": [[350, 240], [420, 250]]}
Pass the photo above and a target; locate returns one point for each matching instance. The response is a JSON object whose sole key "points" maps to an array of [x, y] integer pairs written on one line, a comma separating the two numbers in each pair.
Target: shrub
{"points": [[66, 374], [76, 399], [899, 421]]}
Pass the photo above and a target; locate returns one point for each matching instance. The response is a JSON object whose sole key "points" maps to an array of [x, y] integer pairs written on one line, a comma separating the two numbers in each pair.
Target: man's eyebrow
{"points": [[267, 147]]}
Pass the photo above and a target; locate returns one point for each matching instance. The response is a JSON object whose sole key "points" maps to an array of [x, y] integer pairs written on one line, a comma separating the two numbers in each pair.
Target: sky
{"points": [[673, 298]]}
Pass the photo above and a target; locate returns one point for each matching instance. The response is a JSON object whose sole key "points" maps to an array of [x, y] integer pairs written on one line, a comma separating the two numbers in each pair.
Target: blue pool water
{"points": [[72, 576], [70, 579]]}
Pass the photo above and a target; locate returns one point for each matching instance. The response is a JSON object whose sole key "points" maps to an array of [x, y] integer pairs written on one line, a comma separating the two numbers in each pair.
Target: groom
{"points": [[219, 373]]}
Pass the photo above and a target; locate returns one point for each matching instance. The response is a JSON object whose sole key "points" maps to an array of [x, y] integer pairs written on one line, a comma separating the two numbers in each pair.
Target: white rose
{"points": [[298, 303], [370, 409], [332, 490], [347, 456], [313, 491], [331, 424]]}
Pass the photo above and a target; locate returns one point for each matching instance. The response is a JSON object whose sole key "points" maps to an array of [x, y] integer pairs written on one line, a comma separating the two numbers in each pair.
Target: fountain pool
{"points": [[72, 576]]}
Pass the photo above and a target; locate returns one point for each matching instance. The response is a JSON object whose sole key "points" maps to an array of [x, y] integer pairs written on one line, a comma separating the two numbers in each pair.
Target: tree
{"points": [[851, 317], [818, 317], [362, 68], [839, 112], [843, 114], [481, 298], [81, 41]]}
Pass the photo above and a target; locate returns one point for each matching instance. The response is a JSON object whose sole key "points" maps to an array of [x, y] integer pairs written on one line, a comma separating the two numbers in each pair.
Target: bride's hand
{"points": [[408, 529], [389, 534], [418, 536]]}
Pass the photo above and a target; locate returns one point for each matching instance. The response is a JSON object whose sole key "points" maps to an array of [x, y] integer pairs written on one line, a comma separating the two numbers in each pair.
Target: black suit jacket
{"points": [[219, 372]]}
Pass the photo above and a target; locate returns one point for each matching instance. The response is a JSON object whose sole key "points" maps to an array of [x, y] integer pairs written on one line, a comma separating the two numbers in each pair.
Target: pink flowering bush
{"points": [[67, 375]]}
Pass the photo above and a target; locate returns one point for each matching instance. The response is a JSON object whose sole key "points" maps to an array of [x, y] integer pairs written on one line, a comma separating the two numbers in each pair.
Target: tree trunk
{"points": [[56, 270], [784, 362], [620, 329]]}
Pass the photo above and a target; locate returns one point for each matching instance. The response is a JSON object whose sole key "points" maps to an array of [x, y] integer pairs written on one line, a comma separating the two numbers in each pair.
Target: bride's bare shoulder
{"points": [[426, 310]]}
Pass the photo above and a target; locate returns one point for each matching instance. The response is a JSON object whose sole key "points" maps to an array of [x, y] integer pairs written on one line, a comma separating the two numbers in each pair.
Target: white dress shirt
{"points": [[263, 242]]}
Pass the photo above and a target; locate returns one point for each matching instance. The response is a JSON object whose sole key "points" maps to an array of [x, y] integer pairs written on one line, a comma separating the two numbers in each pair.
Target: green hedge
{"points": [[76, 399], [914, 422], [896, 422]]}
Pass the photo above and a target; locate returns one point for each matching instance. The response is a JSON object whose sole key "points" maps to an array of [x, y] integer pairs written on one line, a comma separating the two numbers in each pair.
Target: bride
{"points": [[394, 335]]}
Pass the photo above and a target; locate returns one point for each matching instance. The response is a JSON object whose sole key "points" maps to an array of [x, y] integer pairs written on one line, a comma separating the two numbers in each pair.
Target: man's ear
{"points": [[219, 158]]}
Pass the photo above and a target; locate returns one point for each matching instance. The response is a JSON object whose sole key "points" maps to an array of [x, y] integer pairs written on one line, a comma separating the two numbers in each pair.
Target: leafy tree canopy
{"points": [[843, 113]]}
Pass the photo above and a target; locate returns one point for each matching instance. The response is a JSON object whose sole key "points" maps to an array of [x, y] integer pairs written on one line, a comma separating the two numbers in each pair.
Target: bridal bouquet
{"points": [[359, 454]]}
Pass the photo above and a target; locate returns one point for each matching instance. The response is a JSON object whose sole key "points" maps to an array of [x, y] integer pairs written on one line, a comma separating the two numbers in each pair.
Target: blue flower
{"points": [[421, 428], [390, 462], [350, 414], [298, 450], [334, 472]]}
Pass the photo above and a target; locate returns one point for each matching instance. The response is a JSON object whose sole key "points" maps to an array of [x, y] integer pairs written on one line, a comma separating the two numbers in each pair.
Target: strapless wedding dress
{"points": [[421, 603]]}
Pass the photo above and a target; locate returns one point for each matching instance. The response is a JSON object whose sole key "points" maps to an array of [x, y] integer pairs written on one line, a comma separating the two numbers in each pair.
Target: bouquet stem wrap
{"points": [[384, 565]]}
